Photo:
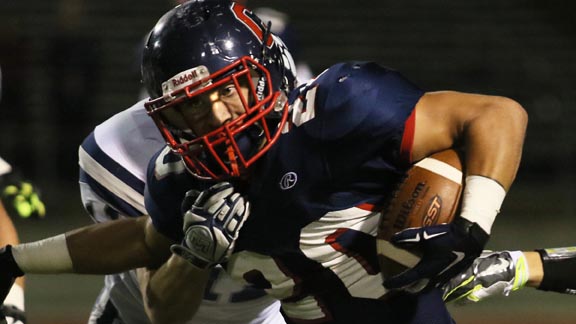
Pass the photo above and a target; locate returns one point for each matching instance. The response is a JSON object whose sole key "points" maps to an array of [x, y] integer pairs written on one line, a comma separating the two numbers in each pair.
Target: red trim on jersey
{"points": [[368, 207], [408, 138], [332, 240]]}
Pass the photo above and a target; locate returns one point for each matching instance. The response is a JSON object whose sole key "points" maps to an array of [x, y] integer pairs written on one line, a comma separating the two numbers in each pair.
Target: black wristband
{"points": [[8, 263], [9, 270], [558, 271], [473, 230]]}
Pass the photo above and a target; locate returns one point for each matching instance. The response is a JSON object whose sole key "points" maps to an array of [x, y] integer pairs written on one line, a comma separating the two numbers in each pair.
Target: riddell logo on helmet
{"points": [[261, 87], [192, 76], [184, 79]]}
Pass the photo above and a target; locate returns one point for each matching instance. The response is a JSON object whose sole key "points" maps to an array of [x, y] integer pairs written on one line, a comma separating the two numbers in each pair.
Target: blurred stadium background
{"points": [[70, 64]]}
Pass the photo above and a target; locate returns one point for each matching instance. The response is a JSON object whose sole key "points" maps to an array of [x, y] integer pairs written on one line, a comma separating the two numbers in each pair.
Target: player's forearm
{"points": [[494, 138], [173, 293], [535, 269], [96, 249], [110, 247]]}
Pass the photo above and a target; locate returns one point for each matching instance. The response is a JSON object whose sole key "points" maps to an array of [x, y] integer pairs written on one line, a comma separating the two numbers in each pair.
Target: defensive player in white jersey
{"points": [[113, 160]]}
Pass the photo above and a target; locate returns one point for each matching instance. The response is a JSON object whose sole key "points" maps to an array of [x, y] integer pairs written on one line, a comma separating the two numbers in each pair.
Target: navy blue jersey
{"points": [[310, 237], [345, 154]]}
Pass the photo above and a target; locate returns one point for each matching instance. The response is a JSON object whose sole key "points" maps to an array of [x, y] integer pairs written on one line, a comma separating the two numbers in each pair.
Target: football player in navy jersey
{"points": [[312, 166], [283, 186]]}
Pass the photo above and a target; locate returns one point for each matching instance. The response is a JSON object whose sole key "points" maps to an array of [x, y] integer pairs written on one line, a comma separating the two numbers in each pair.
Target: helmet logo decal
{"points": [[184, 79], [288, 180], [245, 17], [261, 87]]}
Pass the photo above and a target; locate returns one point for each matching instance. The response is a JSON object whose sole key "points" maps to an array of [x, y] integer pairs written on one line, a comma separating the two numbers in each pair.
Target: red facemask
{"points": [[232, 148]]}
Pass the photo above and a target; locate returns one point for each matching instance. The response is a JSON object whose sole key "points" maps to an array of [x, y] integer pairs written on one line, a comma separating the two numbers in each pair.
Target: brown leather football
{"points": [[428, 195]]}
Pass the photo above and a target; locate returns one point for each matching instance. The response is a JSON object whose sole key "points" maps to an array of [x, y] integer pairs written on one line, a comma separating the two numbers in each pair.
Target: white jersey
{"points": [[4, 167], [113, 161]]}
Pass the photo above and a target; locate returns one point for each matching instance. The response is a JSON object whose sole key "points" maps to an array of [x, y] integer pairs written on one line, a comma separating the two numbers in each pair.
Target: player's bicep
{"points": [[441, 119], [444, 118]]}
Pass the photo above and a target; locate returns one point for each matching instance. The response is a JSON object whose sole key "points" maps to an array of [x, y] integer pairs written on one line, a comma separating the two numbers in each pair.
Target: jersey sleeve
{"points": [[108, 190], [364, 107], [113, 160], [166, 185], [5, 168]]}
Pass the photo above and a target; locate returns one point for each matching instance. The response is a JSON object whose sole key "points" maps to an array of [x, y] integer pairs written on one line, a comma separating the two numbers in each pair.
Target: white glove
{"points": [[212, 221]]}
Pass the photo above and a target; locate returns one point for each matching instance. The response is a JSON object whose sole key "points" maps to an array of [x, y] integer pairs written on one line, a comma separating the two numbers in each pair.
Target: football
{"points": [[429, 194]]}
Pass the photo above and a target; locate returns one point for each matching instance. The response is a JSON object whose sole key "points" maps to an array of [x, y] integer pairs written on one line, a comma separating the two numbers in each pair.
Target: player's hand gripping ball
{"points": [[428, 195], [212, 221], [446, 250]]}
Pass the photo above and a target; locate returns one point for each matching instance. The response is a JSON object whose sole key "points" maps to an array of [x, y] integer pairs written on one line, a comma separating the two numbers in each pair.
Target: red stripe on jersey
{"points": [[408, 138], [331, 239], [368, 207], [353, 246]]}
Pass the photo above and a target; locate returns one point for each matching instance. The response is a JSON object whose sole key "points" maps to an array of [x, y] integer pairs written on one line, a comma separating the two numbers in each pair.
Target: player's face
{"points": [[218, 123], [212, 109]]}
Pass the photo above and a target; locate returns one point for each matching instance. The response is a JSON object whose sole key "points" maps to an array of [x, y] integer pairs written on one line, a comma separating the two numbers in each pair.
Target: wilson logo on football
{"points": [[408, 206], [434, 209]]}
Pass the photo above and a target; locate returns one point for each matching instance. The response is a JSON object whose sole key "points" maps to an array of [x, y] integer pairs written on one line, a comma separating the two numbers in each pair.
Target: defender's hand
{"points": [[446, 250], [21, 198], [493, 273], [212, 220]]}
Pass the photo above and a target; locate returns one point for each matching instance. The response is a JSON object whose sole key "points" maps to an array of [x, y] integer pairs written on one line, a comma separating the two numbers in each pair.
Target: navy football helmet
{"points": [[204, 44]]}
